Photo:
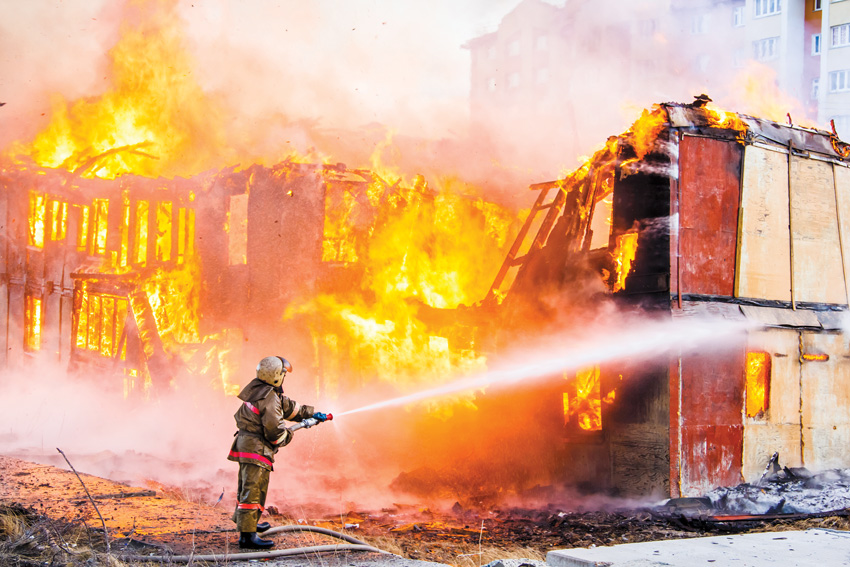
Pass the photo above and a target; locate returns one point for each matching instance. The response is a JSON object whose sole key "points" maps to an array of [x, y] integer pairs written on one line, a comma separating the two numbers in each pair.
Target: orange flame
{"points": [[154, 120], [820, 357], [33, 322], [725, 119], [624, 255], [646, 129], [413, 244], [36, 220]]}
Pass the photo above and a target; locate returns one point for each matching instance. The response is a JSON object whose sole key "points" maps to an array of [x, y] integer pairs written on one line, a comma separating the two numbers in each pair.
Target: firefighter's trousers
{"points": [[251, 496]]}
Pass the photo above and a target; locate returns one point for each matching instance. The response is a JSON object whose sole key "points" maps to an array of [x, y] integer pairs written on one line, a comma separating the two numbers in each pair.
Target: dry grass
{"points": [[12, 526], [28, 540]]}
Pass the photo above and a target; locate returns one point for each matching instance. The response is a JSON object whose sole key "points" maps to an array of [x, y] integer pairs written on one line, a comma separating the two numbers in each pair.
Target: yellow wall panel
{"points": [[764, 263], [779, 428], [826, 401], [842, 189], [818, 271]]}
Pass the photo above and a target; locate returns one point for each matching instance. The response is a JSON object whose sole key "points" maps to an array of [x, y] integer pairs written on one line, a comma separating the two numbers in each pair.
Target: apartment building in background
{"points": [[551, 76], [807, 43], [833, 80]]}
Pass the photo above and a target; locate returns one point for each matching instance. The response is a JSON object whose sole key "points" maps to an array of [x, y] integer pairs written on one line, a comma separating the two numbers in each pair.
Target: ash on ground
{"points": [[786, 491]]}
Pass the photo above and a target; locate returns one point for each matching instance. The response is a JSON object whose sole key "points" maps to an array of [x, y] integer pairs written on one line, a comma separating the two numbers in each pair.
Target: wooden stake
{"points": [[105, 533]]}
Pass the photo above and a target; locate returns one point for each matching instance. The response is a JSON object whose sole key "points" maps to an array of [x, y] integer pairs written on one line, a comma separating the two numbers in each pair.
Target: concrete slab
{"points": [[824, 548]]}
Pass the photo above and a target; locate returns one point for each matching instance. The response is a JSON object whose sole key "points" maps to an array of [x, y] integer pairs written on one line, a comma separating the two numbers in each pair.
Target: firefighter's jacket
{"points": [[261, 421]]}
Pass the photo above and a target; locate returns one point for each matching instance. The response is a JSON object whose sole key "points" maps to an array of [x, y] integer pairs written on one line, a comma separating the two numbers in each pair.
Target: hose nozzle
{"points": [[309, 422]]}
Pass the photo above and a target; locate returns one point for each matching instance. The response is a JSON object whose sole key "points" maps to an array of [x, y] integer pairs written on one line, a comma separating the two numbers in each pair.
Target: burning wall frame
{"points": [[63, 236], [259, 235]]}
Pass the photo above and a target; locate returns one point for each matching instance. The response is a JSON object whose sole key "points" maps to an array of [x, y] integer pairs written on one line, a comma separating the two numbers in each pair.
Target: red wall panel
{"points": [[709, 189], [712, 395]]}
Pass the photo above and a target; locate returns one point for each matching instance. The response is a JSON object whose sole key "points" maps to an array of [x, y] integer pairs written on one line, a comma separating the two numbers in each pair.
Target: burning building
{"points": [[141, 260], [717, 214], [146, 280]]}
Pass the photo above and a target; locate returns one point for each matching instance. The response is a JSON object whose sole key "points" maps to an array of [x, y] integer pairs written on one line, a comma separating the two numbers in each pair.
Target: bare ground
{"points": [[46, 511]]}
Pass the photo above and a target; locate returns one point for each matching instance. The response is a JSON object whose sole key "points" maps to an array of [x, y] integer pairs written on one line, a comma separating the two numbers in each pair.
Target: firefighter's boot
{"points": [[263, 527], [250, 540]]}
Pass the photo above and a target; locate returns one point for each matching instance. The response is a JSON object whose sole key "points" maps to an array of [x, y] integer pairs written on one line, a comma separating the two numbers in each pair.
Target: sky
{"points": [[350, 63]]}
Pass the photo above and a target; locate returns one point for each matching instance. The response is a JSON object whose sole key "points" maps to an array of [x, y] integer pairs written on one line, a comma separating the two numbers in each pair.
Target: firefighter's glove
{"points": [[320, 416]]}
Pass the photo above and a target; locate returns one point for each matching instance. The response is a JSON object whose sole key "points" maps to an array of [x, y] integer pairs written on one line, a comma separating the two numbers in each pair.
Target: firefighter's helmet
{"points": [[272, 370]]}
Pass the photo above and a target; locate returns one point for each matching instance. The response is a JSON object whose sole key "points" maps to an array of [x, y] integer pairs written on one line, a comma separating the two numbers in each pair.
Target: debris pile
{"points": [[788, 491]]}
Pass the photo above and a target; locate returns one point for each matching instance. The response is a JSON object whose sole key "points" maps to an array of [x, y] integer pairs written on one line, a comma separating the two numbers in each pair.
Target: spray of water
{"points": [[642, 340]]}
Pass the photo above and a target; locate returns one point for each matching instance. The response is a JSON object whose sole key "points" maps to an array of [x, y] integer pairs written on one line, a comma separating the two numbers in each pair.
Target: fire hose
{"points": [[353, 544]]}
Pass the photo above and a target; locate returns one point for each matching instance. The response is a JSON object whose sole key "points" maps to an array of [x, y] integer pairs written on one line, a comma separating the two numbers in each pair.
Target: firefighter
{"points": [[262, 431]]}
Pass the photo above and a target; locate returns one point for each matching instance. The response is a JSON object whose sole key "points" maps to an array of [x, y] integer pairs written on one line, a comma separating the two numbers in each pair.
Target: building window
{"points": [[58, 220], [816, 5], [35, 224], [583, 401], [699, 24], [768, 7], [840, 35], [237, 230], [646, 65], [646, 28], [815, 44], [185, 234], [815, 88], [162, 246], [513, 80], [766, 49], [758, 384], [738, 16], [839, 81], [100, 322], [33, 316], [83, 233], [542, 43], [739, 58], [703, 62], [513, 48], [140, 235], [100, 227]]}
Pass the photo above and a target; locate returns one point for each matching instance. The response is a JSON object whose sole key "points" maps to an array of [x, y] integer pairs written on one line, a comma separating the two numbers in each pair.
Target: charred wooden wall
{"points": [[282, 228], [638, 425], [642, 201]]}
